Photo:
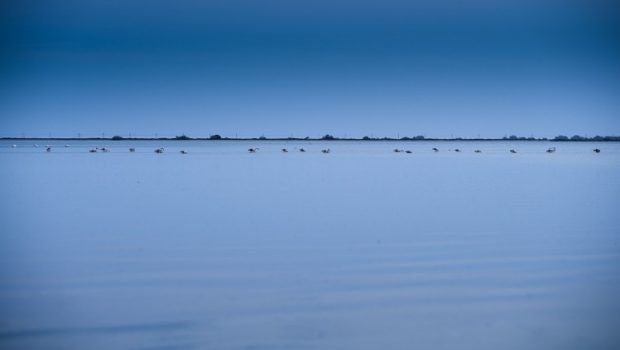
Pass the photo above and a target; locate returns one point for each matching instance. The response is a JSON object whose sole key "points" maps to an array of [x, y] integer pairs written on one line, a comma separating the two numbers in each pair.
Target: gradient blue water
{"points": [[357, 249]]}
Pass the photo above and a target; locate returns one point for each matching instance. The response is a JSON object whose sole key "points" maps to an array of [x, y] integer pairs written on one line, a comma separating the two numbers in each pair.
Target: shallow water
{"points": [[357, 249]]}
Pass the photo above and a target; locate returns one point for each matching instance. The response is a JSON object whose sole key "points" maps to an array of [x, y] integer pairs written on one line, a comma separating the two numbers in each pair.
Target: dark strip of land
{"points": [[559, 138]]}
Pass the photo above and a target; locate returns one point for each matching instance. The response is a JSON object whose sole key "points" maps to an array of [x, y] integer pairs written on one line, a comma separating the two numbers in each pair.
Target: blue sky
{"points": [[283, 68]]}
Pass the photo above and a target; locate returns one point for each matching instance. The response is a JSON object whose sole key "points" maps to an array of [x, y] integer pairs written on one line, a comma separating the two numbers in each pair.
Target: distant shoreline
{"points": [[325, 138]]}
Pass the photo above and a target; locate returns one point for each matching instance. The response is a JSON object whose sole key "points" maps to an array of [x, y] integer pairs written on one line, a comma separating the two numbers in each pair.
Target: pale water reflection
{"points": [[361, 248]]}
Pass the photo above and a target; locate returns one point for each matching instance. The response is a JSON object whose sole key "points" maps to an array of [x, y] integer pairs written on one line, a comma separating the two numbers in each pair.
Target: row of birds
{"points": [[48, 148], [284, 150], [549, 150]]}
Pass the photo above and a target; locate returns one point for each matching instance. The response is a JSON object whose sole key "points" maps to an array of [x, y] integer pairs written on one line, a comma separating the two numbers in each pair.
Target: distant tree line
{"points": [[563, 138], [521, 138], [583, 138], [329, 137]]}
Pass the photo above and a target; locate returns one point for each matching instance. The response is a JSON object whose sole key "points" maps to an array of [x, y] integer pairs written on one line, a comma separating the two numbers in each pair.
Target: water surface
{"points": [[361, 248]]}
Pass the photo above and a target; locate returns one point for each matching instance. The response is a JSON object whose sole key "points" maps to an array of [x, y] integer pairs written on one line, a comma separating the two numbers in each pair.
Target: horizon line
{"points": [[326, 137]]}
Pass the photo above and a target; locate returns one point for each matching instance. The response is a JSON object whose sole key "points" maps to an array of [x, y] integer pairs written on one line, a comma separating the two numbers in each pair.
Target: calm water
{"points": [[358, 249]]}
